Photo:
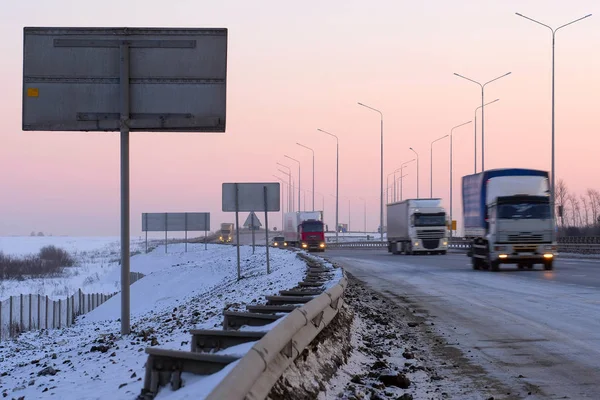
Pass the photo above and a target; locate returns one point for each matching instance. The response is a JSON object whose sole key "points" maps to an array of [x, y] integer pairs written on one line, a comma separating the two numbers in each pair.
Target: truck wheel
{"points": [[475, 263], [443, 252], [549, 265], [495, 266]]}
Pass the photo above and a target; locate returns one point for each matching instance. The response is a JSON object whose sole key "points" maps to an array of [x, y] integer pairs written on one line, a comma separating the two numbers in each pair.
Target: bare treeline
{"points": [[577, 214], [47, 263]]}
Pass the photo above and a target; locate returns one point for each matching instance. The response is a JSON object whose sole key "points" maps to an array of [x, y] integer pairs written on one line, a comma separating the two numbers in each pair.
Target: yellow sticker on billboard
{"points": [[33, 92]]}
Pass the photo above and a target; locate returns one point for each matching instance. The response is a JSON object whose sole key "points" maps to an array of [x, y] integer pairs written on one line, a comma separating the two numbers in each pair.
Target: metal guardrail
{"points": [[361, 244], [463, 244], [258, 371]]}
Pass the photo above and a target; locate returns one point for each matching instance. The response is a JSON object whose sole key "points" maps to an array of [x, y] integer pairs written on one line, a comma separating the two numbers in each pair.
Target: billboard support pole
{"points": [[186, 230], [125, 267], [267, 229], [237, 230], [205, 231], [146, 218], [253, 233], [166, 231]]}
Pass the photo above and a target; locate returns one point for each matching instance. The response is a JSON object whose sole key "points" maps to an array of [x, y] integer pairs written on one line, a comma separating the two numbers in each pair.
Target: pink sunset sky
{"points": [[294, 67]]}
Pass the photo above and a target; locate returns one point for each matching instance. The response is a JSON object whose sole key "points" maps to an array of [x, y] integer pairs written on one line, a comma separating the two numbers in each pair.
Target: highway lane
{"points": [[537, 331]]}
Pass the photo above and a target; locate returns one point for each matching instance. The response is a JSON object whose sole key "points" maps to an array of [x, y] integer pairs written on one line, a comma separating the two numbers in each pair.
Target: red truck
{"points": [[305, 229]]}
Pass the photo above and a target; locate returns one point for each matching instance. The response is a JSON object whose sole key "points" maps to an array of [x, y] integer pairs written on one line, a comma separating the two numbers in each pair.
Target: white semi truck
{"points": [[226, 232], [417, 226], [508, 218]]}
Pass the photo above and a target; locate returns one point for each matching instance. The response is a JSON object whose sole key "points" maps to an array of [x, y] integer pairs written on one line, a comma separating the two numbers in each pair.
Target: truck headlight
{"points": [[220, 237], [304, 245], [322, 245], [275, 244], [416, 243], [285, 244]]}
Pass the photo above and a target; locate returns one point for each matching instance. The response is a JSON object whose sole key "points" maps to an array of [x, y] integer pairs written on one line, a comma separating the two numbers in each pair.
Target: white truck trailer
{"points": [[417, 226]]}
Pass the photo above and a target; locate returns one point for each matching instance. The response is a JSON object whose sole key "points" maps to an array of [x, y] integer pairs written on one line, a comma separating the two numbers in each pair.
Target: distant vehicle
{"points": [[226, 233], [417, 226], [279, 241], [305, 229], [508, 219]]}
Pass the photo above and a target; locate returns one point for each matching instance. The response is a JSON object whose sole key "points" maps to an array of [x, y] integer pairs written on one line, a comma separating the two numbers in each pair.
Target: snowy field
{"points": [[181, 291], [97, 269]]}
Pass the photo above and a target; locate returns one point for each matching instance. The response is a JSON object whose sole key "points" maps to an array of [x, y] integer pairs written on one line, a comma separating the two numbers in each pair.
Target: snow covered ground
{"points": [[97, 269], [180, 291]]}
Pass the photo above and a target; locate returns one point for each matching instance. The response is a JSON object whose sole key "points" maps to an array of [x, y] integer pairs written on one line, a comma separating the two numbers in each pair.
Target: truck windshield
{"points": [[312, 227], [438, 219], [524, 211]]}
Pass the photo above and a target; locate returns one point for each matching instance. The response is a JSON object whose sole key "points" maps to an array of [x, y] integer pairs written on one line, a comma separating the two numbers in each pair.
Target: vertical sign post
{"points": [[186, 228], [146, 218], [205, 231], [125, 236], [166, 230], [237, 230], [267, 228], [252, 228]]}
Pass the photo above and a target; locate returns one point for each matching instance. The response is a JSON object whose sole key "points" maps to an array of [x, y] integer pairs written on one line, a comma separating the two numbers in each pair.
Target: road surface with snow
{"points": [[536, 331]]}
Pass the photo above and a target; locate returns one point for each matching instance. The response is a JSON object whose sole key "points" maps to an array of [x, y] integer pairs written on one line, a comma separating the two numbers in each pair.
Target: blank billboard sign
{"points": [[251, 197], [177, 79], [175, 222]]}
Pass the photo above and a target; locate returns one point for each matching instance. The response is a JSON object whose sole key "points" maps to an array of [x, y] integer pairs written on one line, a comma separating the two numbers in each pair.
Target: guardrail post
{"points": [[21, 312]]}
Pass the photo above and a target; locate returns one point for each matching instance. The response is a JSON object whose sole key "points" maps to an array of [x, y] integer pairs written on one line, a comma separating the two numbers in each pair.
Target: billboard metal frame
{"points": [[89, 49]]}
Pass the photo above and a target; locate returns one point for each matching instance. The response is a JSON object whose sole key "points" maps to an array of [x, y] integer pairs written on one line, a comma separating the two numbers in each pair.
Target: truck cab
{"points": [[520, 229], [508, 218], [312, 235]]}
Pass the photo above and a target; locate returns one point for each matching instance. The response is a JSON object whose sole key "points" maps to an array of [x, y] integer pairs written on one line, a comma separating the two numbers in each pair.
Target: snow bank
{"points": [[181, 291]]}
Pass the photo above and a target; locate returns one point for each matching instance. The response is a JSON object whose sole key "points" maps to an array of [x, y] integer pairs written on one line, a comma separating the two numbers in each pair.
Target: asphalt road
{"points": [[537, 331]]}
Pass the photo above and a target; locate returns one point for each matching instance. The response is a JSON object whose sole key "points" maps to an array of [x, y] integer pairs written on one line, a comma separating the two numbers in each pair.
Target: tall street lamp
{"points": [[482, 113], [381, 182], [401, 179], [282, 194], [299, 183], [431, 168], [365, 213], [313, 173], [417, 154], [290, 186], [475, 141], [451, 131], [553, 41], [400, 169], [337, 180]]}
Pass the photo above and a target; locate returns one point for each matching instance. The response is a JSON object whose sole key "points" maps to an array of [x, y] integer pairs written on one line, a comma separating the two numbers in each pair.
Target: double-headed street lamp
{"points": [[400, 169], [381, 182], [313, 173], [553, 41], [475, 141], [482, 113], [364, 213], [299, 183], [290, 186], [451, 131], [401, 179], [417, 154], [431, 168], [337, 180]]}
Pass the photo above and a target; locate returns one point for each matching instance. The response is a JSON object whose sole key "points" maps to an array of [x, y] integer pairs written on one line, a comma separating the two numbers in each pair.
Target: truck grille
{"points": [[430, 244], [525, 237], [431, 234]]}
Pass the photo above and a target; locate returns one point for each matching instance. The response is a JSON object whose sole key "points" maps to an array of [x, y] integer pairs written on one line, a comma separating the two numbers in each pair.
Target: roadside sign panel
{"points": [[177, 79], [252, 221], [250, 197], [175, 222]]}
